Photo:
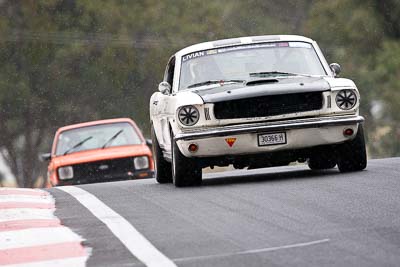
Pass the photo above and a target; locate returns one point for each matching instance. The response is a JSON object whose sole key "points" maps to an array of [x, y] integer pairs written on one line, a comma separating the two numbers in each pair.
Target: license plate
{"points": [[271, 139]]}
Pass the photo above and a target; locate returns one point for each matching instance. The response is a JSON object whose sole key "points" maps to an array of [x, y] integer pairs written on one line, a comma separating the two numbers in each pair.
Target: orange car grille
{"points": [[103, 170]]}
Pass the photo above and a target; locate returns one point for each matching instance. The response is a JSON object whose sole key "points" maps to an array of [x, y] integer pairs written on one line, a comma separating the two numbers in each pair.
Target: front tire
{"points": [[352, 155], [162, 170], [185, 171]]}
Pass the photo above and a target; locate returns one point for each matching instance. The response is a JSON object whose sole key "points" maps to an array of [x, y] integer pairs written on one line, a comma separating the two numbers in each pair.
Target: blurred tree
{"points": [[57, 70], [390, 11], [23, 87], [364, 37], [1, 179]]}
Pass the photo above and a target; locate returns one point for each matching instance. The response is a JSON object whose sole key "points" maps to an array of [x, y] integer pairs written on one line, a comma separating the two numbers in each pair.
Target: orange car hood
{"points": [[101, 154]]}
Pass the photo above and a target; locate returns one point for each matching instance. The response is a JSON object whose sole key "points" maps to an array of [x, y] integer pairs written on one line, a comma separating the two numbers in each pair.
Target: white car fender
{"points": [[340, 83], [188, 98], [163, 111]]}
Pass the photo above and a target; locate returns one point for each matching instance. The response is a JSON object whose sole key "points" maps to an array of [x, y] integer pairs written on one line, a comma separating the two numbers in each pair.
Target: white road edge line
{"points": [[133, 240], [253, 251]]}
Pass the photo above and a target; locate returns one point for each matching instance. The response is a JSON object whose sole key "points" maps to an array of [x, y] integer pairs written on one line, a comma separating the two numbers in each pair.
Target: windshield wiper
{"points": [[78, 145], [214, 82], [274, 73], [112, 138]]}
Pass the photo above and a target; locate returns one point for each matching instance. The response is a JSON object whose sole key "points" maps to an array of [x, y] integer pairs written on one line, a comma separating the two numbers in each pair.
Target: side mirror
{"points": [[164, 88], [336, 69], [45, 157], [149, 143]]}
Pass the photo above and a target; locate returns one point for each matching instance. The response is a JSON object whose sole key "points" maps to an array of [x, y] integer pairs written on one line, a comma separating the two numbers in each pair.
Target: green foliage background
{"points": [[69, 61]]}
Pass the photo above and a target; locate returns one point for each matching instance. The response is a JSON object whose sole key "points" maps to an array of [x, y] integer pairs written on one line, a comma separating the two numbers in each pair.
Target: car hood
{"points": [[261, 87], [101, 154]]}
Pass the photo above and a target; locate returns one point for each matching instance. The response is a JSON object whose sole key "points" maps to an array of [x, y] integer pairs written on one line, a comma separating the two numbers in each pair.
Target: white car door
{"points": [[163, 110]]}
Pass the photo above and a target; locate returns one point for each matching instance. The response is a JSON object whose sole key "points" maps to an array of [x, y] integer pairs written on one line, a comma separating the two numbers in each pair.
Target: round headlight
{"points": [[188, 115], [141, 163], [346, 99], [65, 173]]}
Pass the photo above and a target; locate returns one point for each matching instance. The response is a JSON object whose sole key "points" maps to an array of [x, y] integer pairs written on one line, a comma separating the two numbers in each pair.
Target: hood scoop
{"points": [[260, 82]]}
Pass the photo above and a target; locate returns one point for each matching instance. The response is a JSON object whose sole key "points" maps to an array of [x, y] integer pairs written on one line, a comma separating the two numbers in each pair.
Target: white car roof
{"points": [[240, 41]]}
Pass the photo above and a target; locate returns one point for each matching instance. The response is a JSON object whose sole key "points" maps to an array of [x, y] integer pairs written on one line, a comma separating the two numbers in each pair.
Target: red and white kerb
{"points": [[30, 234]]}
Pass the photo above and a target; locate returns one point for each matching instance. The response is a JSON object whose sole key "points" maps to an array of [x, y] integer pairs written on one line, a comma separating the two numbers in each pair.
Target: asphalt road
{"points": [[287, 216]]}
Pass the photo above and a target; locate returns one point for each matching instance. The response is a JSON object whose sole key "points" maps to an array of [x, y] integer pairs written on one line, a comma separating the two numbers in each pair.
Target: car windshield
{"points": [[97, 136], [245, 61]]}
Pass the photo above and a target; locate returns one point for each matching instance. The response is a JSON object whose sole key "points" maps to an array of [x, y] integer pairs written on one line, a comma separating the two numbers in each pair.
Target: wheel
{"points": [[322, 159], [162, 170], [352, 155], [185, 171]]}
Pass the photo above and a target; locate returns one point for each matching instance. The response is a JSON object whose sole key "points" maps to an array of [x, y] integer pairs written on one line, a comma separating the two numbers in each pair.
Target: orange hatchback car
{"points": [[98, 151]]}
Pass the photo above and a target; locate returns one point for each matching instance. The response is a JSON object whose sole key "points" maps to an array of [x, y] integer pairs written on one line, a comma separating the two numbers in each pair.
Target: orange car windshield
{"points": [[97, 136]]}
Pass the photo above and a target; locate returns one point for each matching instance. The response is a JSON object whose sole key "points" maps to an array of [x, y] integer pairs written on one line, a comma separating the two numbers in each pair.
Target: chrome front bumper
{"points": [[268, 127]]}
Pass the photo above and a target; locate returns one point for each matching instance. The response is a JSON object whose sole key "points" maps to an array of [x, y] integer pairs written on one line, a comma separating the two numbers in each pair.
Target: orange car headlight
{"points": [[65, 173], [141, 163]]}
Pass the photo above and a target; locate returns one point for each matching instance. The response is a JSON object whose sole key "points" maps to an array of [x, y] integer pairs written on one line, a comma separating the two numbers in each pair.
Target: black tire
{"points": [[352, 155], [322, 159], [162, 172], [185, 171]]}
